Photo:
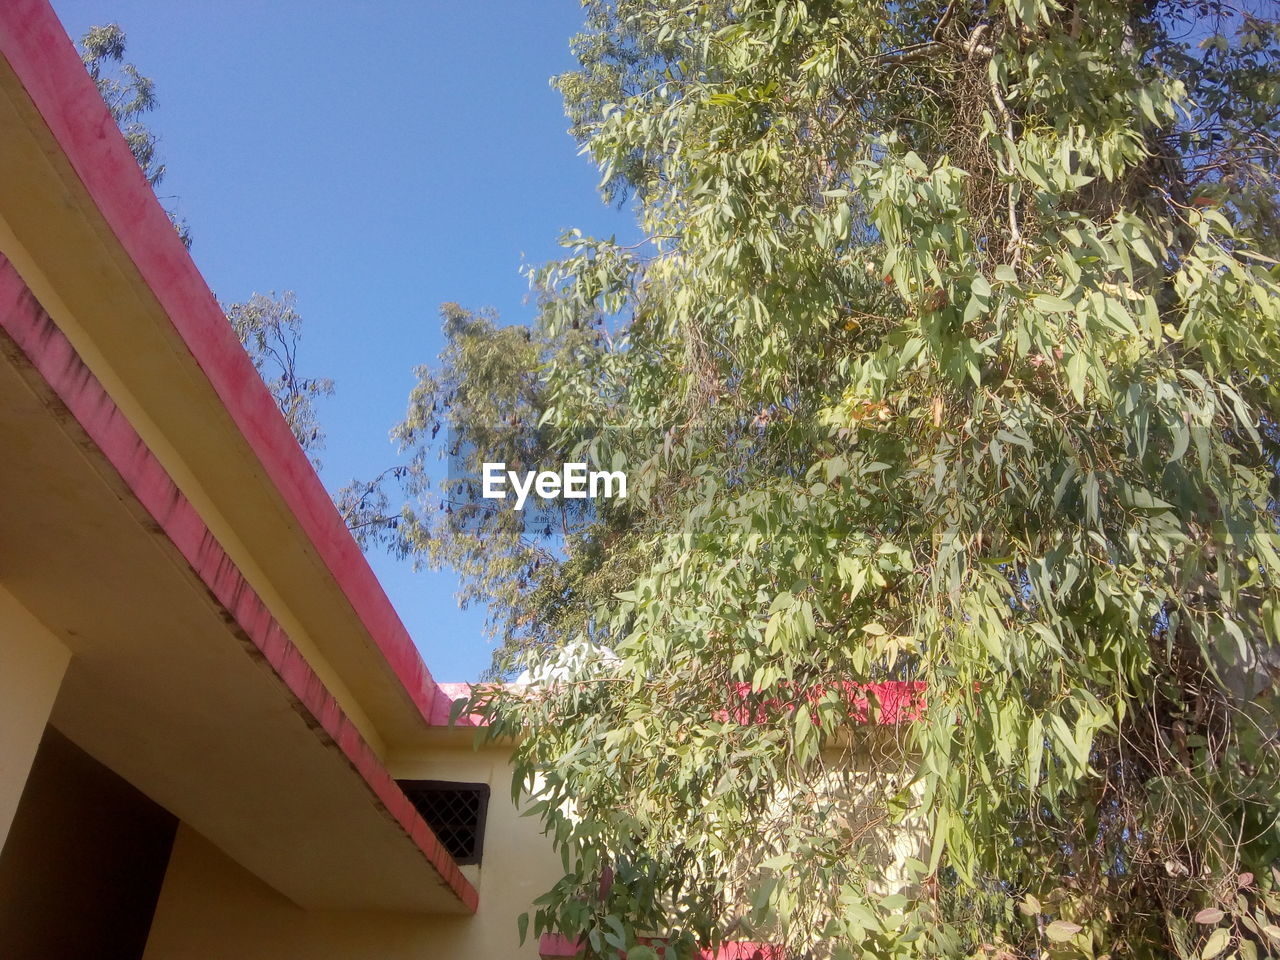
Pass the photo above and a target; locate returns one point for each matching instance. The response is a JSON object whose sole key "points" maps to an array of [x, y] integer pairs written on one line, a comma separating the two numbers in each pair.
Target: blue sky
{"points": [[377, 158]]}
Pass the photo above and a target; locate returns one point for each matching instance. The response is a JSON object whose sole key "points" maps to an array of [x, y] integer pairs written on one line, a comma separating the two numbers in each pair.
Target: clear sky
{"points": [[378, 158]]}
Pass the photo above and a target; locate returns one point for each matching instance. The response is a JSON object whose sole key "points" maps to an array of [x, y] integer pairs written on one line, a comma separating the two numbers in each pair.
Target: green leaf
{"points": [[941, 829], [1033, 481], [1060, 931], [1035, 751], [1217, 942], [1077, 371], [1047, 304]]}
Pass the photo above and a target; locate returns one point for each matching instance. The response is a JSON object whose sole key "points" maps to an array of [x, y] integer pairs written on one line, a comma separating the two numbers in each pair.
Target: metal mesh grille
{"points": [[455, 812]]}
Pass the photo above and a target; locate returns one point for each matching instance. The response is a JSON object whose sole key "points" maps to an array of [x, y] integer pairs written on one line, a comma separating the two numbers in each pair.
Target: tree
{"points": [[270, 328], [950, 359], [538, 572], [128, 95]]}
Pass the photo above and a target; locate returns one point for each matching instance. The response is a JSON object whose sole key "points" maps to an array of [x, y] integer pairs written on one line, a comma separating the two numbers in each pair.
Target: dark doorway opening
{"points": [[84, 862]]}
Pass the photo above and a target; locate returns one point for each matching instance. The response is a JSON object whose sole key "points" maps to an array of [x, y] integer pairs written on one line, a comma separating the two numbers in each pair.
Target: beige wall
{"points": [[32, 663], [211, 908]]}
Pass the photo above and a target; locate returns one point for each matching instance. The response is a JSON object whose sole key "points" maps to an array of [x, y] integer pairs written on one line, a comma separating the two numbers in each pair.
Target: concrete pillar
{"points": [[32, 662]]}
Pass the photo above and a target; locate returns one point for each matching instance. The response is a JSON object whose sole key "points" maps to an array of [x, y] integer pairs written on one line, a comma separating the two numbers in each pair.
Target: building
{"points": [[213, 726]]}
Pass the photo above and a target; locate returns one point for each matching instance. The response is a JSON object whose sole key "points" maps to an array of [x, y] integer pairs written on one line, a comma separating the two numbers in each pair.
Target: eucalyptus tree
{"points": [[129, 96], [949, 360], [537, 575], [270, 328], [127, 93]]}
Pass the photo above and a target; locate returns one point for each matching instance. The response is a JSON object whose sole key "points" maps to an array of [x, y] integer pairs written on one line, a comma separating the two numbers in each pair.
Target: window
{"points": [[455, 812]]}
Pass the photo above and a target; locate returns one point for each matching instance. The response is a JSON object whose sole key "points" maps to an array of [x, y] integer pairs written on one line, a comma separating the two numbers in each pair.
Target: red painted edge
{"points": [[41, 54], [449, 694], [552, 946], [885, 703], [51, 355], [556, 946]]}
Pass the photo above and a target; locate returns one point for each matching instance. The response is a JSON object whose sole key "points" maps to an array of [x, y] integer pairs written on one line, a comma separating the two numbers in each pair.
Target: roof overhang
{"points": [[233, 654], [181, 680], [84, 229]]}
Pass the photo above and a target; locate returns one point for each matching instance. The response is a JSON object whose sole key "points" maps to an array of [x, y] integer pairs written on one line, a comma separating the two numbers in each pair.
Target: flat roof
{"points": [[110, 326], [48, 67]]}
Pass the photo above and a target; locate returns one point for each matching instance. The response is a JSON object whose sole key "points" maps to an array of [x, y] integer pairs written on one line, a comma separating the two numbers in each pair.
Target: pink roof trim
{"points": [[555, 946], [45, 61], [53, 358], [886, 703]]}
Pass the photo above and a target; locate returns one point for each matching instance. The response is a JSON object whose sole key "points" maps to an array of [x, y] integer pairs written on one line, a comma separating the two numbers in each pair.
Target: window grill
{"points": [[455, 812]]}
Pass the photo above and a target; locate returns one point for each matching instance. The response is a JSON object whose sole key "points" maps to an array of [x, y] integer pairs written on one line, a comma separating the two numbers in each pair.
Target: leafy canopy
{"points": [[949, 360], [127, 93]]}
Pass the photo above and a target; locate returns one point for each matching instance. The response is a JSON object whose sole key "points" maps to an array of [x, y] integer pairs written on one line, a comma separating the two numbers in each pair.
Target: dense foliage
{"points": [[949, 359]]}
